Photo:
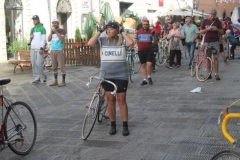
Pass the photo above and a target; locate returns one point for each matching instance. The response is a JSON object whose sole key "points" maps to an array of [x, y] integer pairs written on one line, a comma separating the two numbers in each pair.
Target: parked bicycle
{"points": [[97, 107], [225, 117], [133, 63], [196, 60], [162, 55], [18, 128], [205, 66]]}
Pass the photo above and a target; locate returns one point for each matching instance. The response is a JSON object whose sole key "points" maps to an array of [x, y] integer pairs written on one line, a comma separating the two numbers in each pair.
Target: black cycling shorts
{"points": [[121, 85], [145, 56]]}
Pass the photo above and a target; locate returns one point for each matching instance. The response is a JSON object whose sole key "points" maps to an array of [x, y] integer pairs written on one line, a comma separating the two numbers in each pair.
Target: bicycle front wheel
{"points": [[223, 155], [102, 107], [204, 69], [20, 128], [161, 58], [90, 117]]}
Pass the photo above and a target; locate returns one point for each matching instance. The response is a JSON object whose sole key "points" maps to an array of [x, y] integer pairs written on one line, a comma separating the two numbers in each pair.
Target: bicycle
{"points": [[15, 130], [225, 117], [132, 67], [97, 107], [196, 61], [205, 66], [162, 55]]}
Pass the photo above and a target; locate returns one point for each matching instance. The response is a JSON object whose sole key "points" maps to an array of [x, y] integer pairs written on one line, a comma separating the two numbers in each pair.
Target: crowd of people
{"points": [[111, 39]]}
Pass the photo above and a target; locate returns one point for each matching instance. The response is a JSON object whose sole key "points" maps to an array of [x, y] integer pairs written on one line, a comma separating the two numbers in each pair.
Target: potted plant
{"points": [[77, 42], [19, 46]]}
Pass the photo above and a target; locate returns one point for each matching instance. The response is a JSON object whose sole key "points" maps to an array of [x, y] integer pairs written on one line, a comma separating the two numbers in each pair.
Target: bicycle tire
{"points": [[161, 58], [102, 107], [137, 63], [90, 117], [227, 154], [193, 69], [204, 69], [17, 129]]}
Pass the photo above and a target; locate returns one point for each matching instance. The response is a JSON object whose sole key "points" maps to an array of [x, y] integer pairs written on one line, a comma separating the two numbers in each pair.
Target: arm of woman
{"points": [[169, 35], [93, 41], [129, 41]]}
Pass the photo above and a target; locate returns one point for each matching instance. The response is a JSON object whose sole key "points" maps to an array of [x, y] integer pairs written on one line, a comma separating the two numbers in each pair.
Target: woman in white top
{"points": [[175, 44]]}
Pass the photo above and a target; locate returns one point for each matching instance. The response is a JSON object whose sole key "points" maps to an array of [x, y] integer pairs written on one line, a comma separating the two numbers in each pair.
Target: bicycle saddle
{"points": [[4, 81]]}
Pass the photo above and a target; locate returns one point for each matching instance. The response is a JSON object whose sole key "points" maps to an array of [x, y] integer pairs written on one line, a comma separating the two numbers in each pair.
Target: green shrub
{"points": [[18, 45], [77, 35]]}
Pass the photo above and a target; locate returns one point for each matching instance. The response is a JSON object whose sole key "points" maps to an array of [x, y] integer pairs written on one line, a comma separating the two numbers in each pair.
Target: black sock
{"points": [[55, 76], [125, 124], [113, 123], [63, 77]]}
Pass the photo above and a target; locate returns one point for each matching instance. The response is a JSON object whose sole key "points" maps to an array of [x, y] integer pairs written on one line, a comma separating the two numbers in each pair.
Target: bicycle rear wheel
{"points": [[161, 58], [90, 117], [20, 128], [225, 155], [204, 69]]}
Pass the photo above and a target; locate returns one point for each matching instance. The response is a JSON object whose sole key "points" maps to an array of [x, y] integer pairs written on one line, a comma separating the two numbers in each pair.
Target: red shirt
{"points": [[144, 39], [211, 36], [158, 28]]}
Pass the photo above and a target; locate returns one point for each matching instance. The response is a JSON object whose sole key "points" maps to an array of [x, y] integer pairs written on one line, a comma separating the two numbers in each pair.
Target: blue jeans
{"points": [[191, 49]]}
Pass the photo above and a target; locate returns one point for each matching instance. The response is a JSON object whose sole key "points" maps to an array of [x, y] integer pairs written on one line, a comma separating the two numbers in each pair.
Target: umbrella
{"points": [[90, 25], [106, 12], [178, 12], [197, 13]]}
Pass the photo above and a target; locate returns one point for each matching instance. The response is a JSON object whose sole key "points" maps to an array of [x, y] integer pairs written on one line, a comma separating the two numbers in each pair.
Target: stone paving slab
{"points": [[166, 121]]}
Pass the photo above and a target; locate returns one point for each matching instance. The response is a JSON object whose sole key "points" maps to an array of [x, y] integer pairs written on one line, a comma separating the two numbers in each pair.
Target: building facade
{"points": [[16, 15]]}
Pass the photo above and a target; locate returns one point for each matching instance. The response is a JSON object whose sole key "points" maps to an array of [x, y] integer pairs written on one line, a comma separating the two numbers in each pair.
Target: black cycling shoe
{"points": [[113, 130], [143, 83], [125, 131], [150, 81]]}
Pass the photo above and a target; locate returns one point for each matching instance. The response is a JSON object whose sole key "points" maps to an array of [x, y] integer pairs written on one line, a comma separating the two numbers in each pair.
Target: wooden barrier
{"points": [[81, 54]]}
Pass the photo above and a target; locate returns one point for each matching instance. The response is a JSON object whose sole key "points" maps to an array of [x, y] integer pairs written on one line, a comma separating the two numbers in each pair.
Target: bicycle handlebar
{"points": [[224, 126], [103, 80]]}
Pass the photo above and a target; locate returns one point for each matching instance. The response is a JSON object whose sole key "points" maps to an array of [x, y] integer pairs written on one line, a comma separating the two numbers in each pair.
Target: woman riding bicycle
{"points": [[114, 68]]}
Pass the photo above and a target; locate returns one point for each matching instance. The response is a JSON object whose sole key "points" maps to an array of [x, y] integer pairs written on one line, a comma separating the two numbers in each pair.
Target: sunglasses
{"points": [[145, 24]]}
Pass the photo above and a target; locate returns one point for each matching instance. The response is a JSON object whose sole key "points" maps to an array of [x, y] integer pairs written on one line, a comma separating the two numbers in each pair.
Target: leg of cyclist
{"points": [[149, 60], [142, 57], [111, 106], [121, 98]]}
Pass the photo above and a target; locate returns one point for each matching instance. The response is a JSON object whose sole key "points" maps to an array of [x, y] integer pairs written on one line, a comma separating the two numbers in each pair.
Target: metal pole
{"points": [[12, 26]]}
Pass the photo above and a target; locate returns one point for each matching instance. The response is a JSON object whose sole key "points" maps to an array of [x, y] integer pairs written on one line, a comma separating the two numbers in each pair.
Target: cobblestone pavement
{"points": [[166, 121]]}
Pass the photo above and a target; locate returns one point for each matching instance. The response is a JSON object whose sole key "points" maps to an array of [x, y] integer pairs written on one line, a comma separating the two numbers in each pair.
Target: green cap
{"points": [[35, 17]]}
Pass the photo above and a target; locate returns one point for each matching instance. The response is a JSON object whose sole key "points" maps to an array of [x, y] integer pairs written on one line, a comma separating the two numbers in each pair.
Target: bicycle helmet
{"points": [[113, 24]]}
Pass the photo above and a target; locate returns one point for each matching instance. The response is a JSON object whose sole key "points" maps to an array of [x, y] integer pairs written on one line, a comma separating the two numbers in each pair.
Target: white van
{"points": [[235, 15]]}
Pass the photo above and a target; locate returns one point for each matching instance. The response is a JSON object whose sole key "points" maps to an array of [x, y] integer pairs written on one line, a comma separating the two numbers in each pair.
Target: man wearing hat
{"points": [[38, 41], [212, 28], [56, 37]]}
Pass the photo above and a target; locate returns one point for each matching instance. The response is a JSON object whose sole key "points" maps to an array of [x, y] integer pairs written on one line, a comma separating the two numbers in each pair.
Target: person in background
{"points": [[56, 37], [158, 29], [38, 41], [144, 38], [155, 48], [232, 41], [212, 28], [175, 44], [191, 32]]}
